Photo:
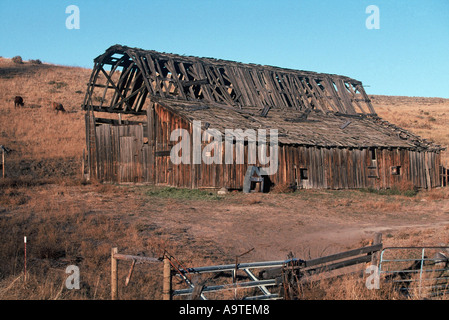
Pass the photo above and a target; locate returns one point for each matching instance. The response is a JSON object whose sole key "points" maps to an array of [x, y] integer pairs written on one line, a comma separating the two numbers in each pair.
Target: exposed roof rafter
{"points": [[136, 73]]}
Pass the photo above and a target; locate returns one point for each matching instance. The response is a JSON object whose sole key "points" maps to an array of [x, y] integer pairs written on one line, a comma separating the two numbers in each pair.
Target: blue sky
{"points": [[408, 54]]}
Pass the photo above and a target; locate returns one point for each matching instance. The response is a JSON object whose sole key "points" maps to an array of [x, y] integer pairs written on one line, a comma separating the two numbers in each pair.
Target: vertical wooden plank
{"points": [[427, 172], [151, 114], [383, 158], [349, 168], [106, 153], [284, 165], [195, 168], [414, 168], [344, 163], [116, 152], [167, 280], [137, 153], [325, 164], [114, 275], [314, 166], [365, 163], [308, 167], [333, 170], [126, 159], [357, 168], [328, 166], [376, 255], [295, 166]]}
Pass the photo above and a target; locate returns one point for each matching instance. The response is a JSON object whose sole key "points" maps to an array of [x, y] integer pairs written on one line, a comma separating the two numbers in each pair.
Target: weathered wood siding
{"points": [[121, 154], [141, 153], [342, 168]]}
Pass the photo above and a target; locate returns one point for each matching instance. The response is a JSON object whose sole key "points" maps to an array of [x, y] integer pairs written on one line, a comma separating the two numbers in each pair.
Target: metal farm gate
{"points": [[266, 280], [416, 272], [413, 272]]}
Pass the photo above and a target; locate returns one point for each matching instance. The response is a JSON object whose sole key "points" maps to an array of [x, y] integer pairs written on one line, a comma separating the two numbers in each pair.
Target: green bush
{"points": [[37, 61]]}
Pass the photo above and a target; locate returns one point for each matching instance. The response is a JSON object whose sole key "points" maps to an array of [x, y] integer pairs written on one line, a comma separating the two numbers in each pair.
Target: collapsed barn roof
{"points": [[307, 108]]}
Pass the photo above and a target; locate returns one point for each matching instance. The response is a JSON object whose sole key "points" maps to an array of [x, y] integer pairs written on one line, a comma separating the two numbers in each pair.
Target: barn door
{"points": [[126, 159], [131, 155]]}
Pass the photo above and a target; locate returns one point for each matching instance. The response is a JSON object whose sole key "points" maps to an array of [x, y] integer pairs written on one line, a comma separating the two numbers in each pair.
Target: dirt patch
{"points": [[273, 224]]}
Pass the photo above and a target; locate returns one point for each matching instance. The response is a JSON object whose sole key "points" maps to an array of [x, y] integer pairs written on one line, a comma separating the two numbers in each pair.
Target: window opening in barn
{"points": [[396, 170], [303, 174], [373, 171], [373, 154]]}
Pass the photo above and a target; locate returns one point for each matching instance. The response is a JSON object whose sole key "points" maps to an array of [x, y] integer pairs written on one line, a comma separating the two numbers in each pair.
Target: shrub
{"points": [[37, 61], [283, 188], [58, 84], [17, 59]]}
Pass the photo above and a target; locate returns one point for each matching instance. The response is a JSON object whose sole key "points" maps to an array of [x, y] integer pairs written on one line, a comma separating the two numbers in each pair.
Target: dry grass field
{"points": [[69, 221], [426, 117]]}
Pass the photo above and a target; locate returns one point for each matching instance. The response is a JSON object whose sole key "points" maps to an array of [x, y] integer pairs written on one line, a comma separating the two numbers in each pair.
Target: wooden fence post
{"points": [[114, 276], [376, 255], [83, 164], [3, 163], [167, 284]]}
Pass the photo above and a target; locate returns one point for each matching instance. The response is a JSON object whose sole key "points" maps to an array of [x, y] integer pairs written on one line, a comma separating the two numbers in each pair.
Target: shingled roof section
{"points": [[317, 129]]}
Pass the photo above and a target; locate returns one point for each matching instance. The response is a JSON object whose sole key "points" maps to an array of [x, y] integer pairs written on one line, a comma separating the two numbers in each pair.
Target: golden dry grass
{"points": [[42, 141], [426, 117]]}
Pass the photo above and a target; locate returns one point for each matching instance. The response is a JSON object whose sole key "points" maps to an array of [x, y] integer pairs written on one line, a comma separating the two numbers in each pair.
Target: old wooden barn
{"points": [[328, 133]]}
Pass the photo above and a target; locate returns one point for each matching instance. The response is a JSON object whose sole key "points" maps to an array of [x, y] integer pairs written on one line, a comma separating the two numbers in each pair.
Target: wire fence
{"points": [[416, 272]]}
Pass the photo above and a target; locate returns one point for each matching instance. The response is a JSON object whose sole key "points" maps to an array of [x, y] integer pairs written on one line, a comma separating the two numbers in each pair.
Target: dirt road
{"points": [[309, 223]]}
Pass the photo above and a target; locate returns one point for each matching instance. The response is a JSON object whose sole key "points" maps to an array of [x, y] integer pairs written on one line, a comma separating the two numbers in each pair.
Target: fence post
{"points": [[167, 284], [114, 277], [3, 163], [376, 255], [83, 164]]}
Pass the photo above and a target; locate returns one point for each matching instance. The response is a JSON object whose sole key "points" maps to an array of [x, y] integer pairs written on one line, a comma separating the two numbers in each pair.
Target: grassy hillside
{"points": [[426, 117], [44, 143]]}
